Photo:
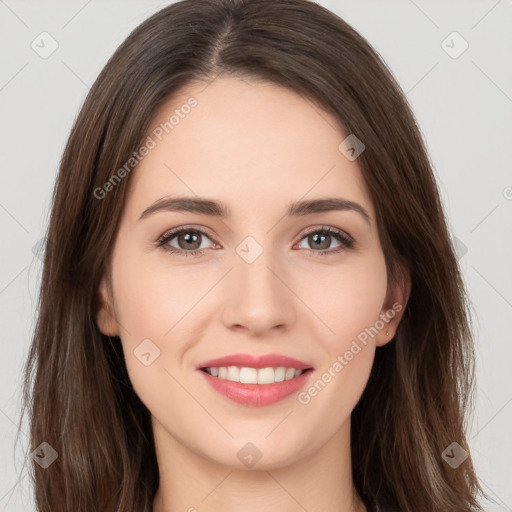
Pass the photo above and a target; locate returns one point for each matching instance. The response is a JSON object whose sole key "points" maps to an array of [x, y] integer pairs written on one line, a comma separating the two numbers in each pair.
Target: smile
{"points": [[256, 379]]}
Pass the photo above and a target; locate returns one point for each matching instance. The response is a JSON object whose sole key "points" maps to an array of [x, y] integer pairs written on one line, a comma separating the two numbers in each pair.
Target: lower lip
{"points": [[257, 394]]}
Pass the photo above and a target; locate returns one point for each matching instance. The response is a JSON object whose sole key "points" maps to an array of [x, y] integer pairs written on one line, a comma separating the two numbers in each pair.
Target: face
{"points": [[265, 282]]}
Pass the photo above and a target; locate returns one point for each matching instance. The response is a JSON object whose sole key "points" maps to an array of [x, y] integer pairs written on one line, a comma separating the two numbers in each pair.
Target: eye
{"points": [[322, 238], [188, 240]]}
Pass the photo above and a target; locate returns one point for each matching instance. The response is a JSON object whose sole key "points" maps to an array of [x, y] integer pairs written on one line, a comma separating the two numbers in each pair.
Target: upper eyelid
{"points": [[175, 231]]}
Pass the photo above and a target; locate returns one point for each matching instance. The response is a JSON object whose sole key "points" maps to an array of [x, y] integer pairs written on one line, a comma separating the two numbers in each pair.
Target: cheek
{"points": [[154, 304], [347, 299], [350, 306], [149, 303], [152, 296]]}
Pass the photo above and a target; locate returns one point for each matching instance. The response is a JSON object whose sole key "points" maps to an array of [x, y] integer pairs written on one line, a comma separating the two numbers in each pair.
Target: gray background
{"points": [[463, 106]]}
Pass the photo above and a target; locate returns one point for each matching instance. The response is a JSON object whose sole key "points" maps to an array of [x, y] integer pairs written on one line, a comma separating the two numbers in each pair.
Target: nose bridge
{"points": [[259, 298], [257, 267]]}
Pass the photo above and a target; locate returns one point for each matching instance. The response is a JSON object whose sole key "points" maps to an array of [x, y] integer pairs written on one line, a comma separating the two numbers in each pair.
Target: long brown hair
{"points": [[77, 389]]}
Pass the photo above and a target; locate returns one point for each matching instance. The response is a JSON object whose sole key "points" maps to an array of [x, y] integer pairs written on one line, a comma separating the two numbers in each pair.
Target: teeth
{"points": [[265, 375], [233, 374], [247, 375], [279, 374]]}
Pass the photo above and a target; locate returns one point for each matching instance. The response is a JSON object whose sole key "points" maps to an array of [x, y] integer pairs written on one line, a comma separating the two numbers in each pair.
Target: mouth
{"points": [[256, 380]]}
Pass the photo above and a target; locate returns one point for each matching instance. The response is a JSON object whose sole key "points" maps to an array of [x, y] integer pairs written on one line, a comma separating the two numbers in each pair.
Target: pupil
{"points": [[188, 238], [323, 242]]}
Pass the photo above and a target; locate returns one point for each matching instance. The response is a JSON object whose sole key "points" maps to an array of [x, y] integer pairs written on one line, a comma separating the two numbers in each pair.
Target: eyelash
{"points": [[163, 242]]}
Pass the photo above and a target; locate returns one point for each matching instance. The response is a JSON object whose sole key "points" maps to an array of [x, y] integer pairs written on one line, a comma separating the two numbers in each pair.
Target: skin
{"points": [[256, 147]]}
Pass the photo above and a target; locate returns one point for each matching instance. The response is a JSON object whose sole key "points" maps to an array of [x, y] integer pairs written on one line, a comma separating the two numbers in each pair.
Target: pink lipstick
{"points": [[256, 380]]}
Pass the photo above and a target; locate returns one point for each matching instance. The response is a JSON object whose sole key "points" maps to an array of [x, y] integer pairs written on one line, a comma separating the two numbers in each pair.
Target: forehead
{"points": [[247, 143]]}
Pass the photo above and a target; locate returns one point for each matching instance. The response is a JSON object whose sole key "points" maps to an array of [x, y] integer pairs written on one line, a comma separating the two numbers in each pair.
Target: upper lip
{"points": [[255, 361]]}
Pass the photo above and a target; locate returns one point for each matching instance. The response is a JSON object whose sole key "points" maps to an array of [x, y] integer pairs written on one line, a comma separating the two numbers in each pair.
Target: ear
{"points": [[105, 317], [394, 305]]}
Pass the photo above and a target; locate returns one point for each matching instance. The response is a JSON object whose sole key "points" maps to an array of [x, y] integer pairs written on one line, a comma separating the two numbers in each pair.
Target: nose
{"points": [[258, 297]]}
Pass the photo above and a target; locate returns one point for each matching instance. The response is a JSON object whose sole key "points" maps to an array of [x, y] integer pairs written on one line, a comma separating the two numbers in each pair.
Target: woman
{"points": [[262, 370]]}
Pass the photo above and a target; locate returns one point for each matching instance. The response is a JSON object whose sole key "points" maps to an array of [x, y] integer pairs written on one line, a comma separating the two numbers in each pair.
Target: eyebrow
{"points": [[204, 206]]}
